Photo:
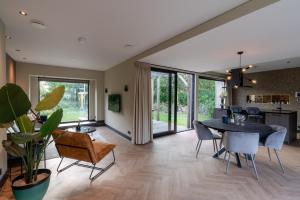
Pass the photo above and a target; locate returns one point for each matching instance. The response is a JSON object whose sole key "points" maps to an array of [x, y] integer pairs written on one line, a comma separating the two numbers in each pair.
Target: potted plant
{"points": [[24, 141]]}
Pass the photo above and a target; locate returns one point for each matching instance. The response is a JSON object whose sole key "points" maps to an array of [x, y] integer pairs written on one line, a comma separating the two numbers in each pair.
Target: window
{"points": [[209, 92], [75, 102]]}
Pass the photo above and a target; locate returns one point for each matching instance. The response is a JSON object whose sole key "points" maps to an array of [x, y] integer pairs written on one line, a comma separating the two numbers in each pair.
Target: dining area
{"points": [[237, 140]]}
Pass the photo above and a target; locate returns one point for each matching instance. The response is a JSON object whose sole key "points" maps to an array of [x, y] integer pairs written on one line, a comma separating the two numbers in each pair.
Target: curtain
{"points": [[142, 120]]}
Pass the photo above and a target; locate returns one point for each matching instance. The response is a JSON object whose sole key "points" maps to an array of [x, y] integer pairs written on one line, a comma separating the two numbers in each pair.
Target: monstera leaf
{"points": [[25, 124], [52, 123], [51, 100], [13, 103]]}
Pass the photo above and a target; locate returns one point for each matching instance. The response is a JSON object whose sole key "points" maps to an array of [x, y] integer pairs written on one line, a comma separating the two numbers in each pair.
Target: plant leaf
{"points": [[13, 103], [51, 100], [52, 123], [25, 124], [22, 138], [13, 149]]}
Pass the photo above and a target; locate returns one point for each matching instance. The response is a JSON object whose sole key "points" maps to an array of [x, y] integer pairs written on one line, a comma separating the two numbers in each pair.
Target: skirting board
{"points": [[118, 132]]}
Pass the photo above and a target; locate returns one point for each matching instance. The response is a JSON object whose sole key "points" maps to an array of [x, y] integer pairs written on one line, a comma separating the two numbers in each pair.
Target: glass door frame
{"points": [[192, 117], [170, 73]]}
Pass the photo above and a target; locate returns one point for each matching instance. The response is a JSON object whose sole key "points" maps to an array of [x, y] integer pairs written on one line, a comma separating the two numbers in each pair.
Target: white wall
{"points": [[3, 159], [114, 80]]}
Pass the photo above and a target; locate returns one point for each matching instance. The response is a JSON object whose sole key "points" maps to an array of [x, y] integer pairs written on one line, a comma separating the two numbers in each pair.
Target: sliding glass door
{"points": [[209, 92], [185, 101], [172, 101], [163, 102]]}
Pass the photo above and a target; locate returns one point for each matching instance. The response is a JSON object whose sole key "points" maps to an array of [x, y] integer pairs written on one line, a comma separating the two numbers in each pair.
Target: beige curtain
{"points": [[142, 122]]}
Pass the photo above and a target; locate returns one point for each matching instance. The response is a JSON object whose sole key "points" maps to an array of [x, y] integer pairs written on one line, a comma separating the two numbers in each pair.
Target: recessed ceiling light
{"points": [[250, 66], [8, 37], [128, 45], [82, 40], [38, 24], [23, 12], [18, 50]]}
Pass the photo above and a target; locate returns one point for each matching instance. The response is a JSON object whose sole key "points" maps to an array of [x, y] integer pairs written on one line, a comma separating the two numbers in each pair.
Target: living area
{"points": [[149, 99]]}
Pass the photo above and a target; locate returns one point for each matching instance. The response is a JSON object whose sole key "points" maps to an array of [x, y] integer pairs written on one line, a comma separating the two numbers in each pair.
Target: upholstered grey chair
{"points": [[254, 114], [275, 142], [203, 133], [243, 143], [236, 109]]}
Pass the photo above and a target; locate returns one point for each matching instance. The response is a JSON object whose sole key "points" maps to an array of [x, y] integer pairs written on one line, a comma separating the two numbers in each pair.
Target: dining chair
{"points": [[203, 133], [236, 109], [241, 143], [275, 141], [254, 114]]}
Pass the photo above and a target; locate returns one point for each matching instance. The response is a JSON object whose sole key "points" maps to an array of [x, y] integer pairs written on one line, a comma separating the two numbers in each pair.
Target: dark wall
{"points": [[285, 81]]}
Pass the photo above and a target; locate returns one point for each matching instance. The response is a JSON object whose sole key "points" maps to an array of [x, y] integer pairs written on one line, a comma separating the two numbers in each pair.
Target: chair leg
{"points": [[197, 144], [214, 144], [66, 167], [246, 159], [254, 166], [269, 153], [225, 155], [198, 149], [217, 148], [221, 142], [102, 170], [228, 162], [276, 153]]}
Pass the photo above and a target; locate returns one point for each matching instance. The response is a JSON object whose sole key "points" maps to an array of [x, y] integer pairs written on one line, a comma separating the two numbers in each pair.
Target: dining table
{"points": [[246, 127]]}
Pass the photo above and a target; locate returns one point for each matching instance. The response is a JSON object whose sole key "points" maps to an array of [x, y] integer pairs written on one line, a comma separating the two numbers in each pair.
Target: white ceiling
{"points": [[107, 24], [269, 34]]}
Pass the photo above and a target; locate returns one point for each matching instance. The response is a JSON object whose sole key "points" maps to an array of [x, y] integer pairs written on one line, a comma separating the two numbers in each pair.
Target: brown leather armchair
{"points": [[80, 147]]}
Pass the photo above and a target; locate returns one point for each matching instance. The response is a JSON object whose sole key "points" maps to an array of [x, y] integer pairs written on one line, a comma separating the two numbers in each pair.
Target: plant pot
{"points": [[34, 191]]}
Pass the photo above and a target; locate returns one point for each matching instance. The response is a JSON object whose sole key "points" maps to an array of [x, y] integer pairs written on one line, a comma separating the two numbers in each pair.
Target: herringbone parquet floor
{"points": [[168, 169]]}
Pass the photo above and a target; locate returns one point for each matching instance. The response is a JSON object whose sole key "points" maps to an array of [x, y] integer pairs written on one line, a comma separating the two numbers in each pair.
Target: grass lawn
{"points": [[181, 117], [72, 114]]}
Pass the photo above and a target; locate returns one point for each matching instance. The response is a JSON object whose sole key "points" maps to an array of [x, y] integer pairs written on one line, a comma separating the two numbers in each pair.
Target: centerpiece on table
{"points": [[24, 141]]}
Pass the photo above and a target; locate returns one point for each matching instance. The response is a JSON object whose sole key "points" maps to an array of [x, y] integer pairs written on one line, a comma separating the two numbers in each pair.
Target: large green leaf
{"points": [[22, 138], [13, 149], [13, 103], [52, 123], [25, 124], [51, 100]]}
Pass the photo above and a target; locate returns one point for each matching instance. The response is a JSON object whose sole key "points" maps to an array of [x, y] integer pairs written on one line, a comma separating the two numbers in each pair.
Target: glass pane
{"points": [[75, 101], [209, 97], [184, 101], [162, 101]]}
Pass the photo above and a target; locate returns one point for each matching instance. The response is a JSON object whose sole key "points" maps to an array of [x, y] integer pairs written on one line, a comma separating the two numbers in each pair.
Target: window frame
{"points": [[67, 80]]}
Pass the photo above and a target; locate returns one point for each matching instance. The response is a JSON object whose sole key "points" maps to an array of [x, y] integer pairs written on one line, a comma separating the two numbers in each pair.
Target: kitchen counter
{"points": [[279, 111]]}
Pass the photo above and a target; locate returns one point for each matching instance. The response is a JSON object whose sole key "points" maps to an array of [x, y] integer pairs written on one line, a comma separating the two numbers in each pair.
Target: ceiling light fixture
{"points": [[23, 13], [250, 66], [38, 24], [244, 70]]}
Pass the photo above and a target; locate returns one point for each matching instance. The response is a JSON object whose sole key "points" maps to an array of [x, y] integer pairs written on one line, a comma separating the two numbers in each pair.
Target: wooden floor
{"points": [[167, 169]]}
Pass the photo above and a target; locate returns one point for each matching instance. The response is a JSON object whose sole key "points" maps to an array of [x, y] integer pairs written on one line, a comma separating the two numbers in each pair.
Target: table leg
{"points": [[238, 162], [216, 155]]}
